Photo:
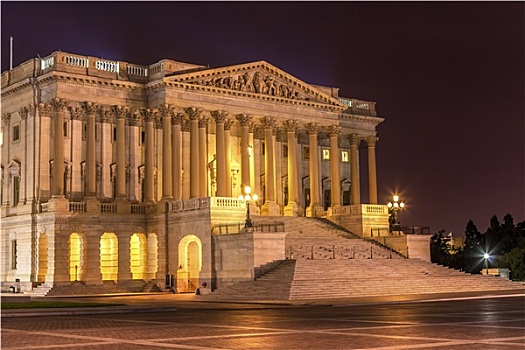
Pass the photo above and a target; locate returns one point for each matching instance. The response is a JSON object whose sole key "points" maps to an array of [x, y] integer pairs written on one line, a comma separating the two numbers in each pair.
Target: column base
{"points": [[58, 203], [315, 210], [293, 209], [271, 209], [123, 206], [92, 205]]}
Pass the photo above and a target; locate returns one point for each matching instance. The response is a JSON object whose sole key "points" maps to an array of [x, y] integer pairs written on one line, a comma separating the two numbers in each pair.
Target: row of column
{"points": [[172, 156]]}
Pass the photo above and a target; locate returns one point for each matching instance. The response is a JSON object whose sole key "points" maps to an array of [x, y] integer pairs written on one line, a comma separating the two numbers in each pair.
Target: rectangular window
{"points": [[16, 133], [263, 146], [16, 190], [285, 151], [306, 152], [84, 131], [66, 129], [344, 156], [142, 137], [114, 134], [13, 254], [326, 154]]}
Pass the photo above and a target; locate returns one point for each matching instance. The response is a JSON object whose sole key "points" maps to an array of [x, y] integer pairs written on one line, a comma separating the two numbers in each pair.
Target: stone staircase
{"points": [[81, 288], [324, 270]]}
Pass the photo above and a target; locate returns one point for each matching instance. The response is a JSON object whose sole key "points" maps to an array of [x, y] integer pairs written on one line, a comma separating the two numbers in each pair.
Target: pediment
{"points": [[257, 79]]}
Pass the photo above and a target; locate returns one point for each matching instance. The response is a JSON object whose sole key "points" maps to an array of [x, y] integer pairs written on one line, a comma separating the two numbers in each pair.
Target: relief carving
{"points": [[254, 83]]}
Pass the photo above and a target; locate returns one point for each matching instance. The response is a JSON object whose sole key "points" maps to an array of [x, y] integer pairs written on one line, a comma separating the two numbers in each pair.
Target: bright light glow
{"points": [[255, 197], [247, 197], [402, 205], [486, 256], [247, 189], [396, 204], [241, 196], [396, 198], [389, 204]]}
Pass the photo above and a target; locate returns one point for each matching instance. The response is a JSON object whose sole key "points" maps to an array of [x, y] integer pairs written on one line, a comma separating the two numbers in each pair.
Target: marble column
{"points": [[120, 113], [270, 207], [166, 112], [220, 118], [315, 208], [176, 154], [228, 157], [124, 258], [335, 191], [244, 121], [203, 156], [91, 269], [372, 174], [149, 119], [59, 107], [354, 168], [292, 208], [194, 175]]}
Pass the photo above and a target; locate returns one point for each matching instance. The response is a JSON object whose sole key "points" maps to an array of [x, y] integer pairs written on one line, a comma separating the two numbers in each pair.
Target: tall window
{"points": [[13, 254], [16, 190], [326, 154], [344, 156], [16, 133]]}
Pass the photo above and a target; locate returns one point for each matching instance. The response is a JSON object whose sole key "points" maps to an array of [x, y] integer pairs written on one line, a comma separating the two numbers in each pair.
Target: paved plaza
{"points": [[186, 322]]}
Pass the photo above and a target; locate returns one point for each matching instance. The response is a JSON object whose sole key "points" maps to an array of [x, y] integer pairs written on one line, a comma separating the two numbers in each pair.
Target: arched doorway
{"points": [[138, 256], [42, 257], [109, 256], [75, 257], [190, 263]]}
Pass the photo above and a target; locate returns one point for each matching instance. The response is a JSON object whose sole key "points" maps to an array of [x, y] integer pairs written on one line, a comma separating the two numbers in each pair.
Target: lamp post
{"points": [[393, 208], [248, 198], [486, 256]]}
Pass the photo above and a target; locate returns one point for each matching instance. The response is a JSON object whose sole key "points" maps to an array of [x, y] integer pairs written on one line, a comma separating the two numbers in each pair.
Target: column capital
{"points": [[291, 125], [203, 121], [120, 112], [193, 112], [312, 128], [44, 109], [185, 125], [268, 122], [58, 104], [134, 117], [106, 115], [354, 139], [166, 110], [244, 119], [149, 114], [371, 140], [26, 111], [176, 118], [334, 130], [228, 124], [89, 107], [76, 113], [219, 116], [6, 118]]}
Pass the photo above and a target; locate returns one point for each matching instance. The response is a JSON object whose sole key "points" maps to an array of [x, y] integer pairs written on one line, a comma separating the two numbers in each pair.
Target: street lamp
{"points": [[393, 208], [486, 256], [248, 198]]}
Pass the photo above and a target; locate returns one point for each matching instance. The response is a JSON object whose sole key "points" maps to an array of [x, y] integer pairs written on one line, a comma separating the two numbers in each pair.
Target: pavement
{"points": [[162, 302]]}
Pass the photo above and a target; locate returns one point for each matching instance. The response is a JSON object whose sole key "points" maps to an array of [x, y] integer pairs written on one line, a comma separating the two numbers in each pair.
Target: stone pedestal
{"points": [[270, 209], [58, 203], [123, 206], [293, 209], [314, 211]]}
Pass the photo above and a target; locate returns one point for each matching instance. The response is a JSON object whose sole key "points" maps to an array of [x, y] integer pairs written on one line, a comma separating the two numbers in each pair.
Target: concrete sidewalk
{"points": [[167, 302]]}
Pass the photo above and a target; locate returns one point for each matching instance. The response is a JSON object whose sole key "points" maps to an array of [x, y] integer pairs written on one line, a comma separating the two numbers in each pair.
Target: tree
{"points": [[515, 261], [470, 256], [439, 248]]}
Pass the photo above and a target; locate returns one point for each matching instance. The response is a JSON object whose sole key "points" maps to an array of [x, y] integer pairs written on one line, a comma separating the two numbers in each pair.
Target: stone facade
{"points": [[117, 171]]}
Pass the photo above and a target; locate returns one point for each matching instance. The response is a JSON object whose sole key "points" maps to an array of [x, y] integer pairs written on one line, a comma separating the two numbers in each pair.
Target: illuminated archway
{"points": [[75, 256], [190, 263], [42, 257], [138, 256], [109, 256]]}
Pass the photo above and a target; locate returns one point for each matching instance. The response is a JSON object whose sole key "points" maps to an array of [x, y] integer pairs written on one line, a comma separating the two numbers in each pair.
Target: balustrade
{"points": [[47, 62], [338, 252], [108, 66], [136, 70], [77, 61]]}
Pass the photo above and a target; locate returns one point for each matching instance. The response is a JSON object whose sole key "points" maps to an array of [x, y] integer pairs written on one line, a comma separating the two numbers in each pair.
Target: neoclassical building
{"points": [[113, 171]]}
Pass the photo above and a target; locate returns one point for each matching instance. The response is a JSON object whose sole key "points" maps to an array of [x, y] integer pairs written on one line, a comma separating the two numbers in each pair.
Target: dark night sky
{"points": [[447, 77]]}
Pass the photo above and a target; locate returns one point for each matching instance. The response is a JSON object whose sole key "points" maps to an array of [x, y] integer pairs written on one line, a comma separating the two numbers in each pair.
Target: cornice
{"points": [[361, 118], [245, 94], [9, 90]]}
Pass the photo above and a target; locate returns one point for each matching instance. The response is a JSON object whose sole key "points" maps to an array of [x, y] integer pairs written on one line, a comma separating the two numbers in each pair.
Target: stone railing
{"points": [[108, 66], [77, 207], [358, 209], [338, 252], [137, 70], [47, 62], [189, 204], [225, 229], [138, 208], [227, 203], [77, 61], [359, 107], [108, 208]]}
